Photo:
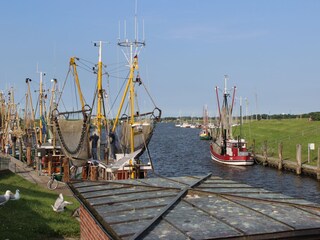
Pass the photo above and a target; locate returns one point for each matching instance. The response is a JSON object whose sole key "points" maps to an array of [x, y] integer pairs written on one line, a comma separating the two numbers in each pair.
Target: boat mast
{"points": [[41, 107], [76, 78], [100, 91], [132, 58], [28, 80]]}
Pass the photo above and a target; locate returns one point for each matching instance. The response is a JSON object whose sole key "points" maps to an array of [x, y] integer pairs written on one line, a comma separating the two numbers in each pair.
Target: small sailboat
{"points": [[224, 148], [205, 134]]}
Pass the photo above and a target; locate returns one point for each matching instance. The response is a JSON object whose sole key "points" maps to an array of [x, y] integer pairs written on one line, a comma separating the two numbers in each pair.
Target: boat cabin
{"points": [[237, 147]]}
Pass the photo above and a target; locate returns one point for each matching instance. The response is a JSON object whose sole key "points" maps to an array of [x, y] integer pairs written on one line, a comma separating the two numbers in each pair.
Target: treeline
{"points": [[312, 116]]}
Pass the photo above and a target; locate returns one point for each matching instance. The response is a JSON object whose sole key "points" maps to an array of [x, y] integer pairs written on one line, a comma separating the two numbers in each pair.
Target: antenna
{"points": [[133, 47], [246, 100], [143, 30], [119, 37], [225, 83], [256, 98], [125, 29], [135, 21]]}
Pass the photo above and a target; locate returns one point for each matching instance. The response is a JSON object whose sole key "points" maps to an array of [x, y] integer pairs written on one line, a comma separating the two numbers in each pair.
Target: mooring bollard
{"points": [[280, 163], [318, 165], [298, 170]]}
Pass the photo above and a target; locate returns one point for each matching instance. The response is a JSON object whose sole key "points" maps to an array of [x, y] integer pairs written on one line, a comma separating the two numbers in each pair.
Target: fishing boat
{"points": [[132, 128], [121, 140], [205, 134], [224, 148]]}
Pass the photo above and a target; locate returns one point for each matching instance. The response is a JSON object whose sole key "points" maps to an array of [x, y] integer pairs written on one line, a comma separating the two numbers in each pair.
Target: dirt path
{"points": [[31, 175]]}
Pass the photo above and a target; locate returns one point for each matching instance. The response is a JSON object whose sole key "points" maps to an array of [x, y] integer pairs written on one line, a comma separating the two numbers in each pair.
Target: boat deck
{"points": [[196, 207]]}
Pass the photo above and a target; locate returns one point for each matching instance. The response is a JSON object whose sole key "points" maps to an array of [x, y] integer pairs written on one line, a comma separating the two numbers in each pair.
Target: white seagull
{"points": [[60, 204], [15, 196], [5, 198]]}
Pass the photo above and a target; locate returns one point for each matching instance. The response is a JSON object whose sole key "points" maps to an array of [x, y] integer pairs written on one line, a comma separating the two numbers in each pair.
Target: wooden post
{"points": [[13, 149], [103, 171], [66, 170], [265, 153], [298, 170], [280, 163], [84, 174], [94, 173], [29, 162], [49, 165], [254, 148], [318, 165], [20, 150]]}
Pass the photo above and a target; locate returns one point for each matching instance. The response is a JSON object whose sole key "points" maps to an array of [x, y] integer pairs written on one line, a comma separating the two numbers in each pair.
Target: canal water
{"points": [[179, 152]]}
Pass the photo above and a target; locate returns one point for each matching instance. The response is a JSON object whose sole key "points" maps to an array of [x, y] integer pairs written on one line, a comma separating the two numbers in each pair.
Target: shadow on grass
{"points": [[32, 217]]}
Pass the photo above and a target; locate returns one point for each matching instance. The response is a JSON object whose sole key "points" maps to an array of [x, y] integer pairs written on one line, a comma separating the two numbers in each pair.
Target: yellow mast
{"points": [[2, 102], [40, 108], [133, 66], [100, 97], [76, 77], [130, 84]]}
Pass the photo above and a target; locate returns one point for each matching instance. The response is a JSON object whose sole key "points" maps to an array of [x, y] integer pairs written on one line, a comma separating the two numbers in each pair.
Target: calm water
{"points": [[179, 152]]}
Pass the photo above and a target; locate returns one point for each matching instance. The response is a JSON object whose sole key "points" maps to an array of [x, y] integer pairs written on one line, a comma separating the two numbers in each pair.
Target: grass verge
{"points": [[289, 132], [31, 217]]}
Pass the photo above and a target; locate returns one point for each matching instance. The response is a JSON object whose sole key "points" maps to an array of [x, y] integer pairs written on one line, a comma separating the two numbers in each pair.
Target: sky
{"points": [[269, 49]]}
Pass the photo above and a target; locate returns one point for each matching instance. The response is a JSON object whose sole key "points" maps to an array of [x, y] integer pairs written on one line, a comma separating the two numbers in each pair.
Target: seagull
{"points": [[5, 198], [60, 204], [15, 196]]}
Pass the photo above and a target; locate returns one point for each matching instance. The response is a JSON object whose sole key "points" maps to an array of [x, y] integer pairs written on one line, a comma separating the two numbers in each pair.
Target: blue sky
{"points": [[270, 49]]}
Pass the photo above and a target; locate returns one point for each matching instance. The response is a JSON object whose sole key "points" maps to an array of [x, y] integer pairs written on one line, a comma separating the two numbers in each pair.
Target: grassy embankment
{"points": [[32, 217], [288, 131]]}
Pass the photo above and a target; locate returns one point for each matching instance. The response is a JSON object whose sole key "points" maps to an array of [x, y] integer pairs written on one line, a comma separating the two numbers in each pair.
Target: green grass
{"points": [[288, 131], [31, 217]]}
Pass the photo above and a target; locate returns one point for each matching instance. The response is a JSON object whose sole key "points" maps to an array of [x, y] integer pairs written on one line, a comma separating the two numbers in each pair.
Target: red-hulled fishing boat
{"points": [[224, 147]]}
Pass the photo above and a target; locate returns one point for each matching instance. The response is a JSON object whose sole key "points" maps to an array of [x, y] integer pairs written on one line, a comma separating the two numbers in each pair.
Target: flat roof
{"points": [[195, 207]]}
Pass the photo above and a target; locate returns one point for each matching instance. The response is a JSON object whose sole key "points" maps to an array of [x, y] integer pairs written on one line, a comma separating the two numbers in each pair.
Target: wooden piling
{"points": [[29, 161], [103, 174], [94, 173], [14, 149], [49, 165], [318, 165], [84, 174], [20, 150], [265, 153], [280, 163], [66, 170], [299, 164], [254, 148]]}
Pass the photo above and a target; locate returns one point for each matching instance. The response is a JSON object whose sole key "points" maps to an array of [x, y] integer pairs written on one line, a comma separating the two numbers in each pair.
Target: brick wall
{"points": [[89, 230]]}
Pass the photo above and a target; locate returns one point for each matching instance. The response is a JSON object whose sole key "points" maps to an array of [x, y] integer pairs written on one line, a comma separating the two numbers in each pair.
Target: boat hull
{"points": [[231, 160], [205, 137]]}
